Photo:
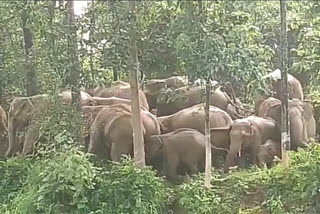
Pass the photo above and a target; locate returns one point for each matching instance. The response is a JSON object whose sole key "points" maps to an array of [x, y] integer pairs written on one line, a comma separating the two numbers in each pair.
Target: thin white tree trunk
{"points": [[138, 144], [207, 135], [285, 126]]}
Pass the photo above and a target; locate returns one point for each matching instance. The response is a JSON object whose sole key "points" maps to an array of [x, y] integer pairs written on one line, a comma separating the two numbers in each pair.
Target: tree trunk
{"points": [[73, 51], [285, 130], [31, 77], [207, 135], [138, 144]]}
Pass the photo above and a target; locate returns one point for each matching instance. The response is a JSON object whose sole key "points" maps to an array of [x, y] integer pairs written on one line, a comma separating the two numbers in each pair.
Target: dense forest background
{"points": [[44, 50], [241, 42]]}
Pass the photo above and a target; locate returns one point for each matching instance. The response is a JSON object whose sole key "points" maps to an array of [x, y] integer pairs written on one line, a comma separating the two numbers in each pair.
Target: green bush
{"points": [[70, 183], [280, 190]]}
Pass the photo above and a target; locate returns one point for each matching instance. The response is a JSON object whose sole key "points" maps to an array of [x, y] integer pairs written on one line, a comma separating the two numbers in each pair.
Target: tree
{"points": [[285, 126], [138, 143], [73, 51], [31, 77]]}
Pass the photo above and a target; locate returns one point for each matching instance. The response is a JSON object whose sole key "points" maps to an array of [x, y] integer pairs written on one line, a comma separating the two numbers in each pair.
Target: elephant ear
{"points": [[274, 112], [308, 109], [20, 105]]}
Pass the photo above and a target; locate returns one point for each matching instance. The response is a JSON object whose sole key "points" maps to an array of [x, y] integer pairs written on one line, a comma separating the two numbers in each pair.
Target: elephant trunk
{"points": [[235, 148], [12, 136]]}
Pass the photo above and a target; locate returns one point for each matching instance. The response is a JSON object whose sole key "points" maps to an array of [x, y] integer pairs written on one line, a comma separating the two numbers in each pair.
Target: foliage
{"points": [[280, 190], [70, 183]]}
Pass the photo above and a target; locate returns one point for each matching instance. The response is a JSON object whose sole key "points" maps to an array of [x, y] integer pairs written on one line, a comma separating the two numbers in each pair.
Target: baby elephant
{"points": [[267, 152], [184, 146]]}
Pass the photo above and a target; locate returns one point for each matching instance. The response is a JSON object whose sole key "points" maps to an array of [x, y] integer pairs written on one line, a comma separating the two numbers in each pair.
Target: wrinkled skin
{"points": [[111, 130], [267, 153], [310, 120], [190, 96], [111, 101], [298, 126], [153, 86], [3, 132], [3, 122], [183, 146], [89, 114], [85, 98], [118, 89], [193, 117], [246, 135], [26, 113]]}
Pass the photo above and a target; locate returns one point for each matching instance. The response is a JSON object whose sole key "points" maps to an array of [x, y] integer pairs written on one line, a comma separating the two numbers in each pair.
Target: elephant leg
{"points": [[118, 149], [171, 165], [31, 138], [194, 168]]}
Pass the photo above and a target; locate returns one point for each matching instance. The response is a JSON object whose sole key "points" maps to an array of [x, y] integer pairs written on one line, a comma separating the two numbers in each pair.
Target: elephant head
{"points": [[267, 152], [153, 147], [19, 116], [239, 133], [22, 111]]}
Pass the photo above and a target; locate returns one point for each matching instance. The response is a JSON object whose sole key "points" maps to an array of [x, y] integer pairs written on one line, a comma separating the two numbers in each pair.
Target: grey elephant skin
{"points": [[299, 119], [26, 113], [118, 89], [246, 135], [181, 147], [267, 153], [112, 130]]}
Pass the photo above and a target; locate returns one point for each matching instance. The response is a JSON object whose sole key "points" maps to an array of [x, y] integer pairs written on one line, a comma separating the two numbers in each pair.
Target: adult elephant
{"points": [[26, 113], [171, 101], [194, 117], [118, 89], [298, 126], [112, 128], [247, 134], [181, 147], [295, 90], [89, 113], [152, 87]]}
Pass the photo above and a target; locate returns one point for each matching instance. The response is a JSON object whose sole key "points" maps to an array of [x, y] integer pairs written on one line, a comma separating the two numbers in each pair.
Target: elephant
{"points": [[153, 87], [111, 101], [118, 89], [309, 119], [267, 152], [89, 114], [3, 122], [298, 126], [26, 112], [295, 90], [189, 96], [193, 117], [85, 98], [183, 146], [247, 134], [112, 130]]}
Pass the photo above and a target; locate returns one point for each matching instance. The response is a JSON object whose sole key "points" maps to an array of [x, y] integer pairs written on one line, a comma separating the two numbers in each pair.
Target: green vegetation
{"points": [[236, 42]]}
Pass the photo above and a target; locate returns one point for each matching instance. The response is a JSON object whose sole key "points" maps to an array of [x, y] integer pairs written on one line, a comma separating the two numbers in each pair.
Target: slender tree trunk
{"points": [[31, 77], [73, 51], [207, 135], [91, 36], [285, 126], [138, 144]]}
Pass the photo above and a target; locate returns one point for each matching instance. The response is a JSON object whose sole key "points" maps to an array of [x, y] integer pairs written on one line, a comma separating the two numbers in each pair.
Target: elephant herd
{"points": [[173, 131]]}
